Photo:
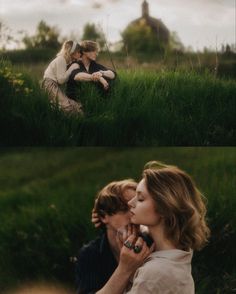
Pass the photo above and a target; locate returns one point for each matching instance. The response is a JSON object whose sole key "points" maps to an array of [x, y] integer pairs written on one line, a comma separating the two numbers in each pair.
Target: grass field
{"points": [[46, 196], [143, 108]]}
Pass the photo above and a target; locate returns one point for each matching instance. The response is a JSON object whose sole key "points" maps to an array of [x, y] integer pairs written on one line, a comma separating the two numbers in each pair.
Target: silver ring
{"points": [[138, 248], [128, 244]]}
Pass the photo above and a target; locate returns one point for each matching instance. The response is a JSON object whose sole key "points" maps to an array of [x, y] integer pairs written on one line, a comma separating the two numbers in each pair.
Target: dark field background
{"points": [[46, 196]]}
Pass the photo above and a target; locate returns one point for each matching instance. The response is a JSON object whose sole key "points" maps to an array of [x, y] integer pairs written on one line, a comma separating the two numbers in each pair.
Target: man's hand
{"points": [[95, 219], [104, 83], [96, 76]]}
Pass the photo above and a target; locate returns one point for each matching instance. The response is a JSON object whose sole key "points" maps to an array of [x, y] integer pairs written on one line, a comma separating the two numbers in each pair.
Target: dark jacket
{"points": [[94, 266], [72, 85]]}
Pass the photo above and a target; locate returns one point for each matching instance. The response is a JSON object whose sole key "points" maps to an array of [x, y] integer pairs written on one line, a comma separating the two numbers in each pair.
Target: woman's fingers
{"points": [[133, 253], [122, 234], [138, 246], [129, 230], [129, 243]]}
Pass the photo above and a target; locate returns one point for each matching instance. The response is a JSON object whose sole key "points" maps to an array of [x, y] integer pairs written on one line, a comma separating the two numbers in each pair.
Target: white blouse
{"points": [[57, 70], [164, 272]]}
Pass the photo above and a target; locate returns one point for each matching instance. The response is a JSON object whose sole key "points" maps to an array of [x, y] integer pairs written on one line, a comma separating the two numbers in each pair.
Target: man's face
{"points": [[128, 194], [117, 220], [92, 55], [120, 219]]}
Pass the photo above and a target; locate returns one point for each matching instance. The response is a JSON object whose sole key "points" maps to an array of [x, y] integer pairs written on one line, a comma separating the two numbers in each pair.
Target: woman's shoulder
{"points": [[59, 59], [162, 266]]}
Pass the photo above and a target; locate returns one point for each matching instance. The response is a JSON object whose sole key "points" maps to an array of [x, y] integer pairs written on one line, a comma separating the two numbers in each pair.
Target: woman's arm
{"points": [[117, 283], [128, 264], [62, 73]]}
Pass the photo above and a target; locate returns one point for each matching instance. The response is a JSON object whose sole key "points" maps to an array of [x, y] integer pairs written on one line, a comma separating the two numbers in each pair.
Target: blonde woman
{"points": [[168, 202], [57, 74]]}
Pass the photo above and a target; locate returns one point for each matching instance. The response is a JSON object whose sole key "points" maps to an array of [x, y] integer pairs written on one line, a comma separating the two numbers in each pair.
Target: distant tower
{"points": [[145, 9]]}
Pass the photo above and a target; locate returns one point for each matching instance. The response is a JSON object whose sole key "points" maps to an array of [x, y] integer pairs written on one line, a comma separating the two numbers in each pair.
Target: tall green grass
{"points": [[141, 109], [46, 197]]}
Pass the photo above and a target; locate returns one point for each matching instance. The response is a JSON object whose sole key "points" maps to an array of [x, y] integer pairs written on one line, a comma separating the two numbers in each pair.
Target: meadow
{"points": [[144, 107], [46, 197]]}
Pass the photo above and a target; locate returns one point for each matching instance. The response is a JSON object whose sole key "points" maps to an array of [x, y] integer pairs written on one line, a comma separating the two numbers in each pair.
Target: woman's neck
{"points": [[111, 236], [160, 241]]}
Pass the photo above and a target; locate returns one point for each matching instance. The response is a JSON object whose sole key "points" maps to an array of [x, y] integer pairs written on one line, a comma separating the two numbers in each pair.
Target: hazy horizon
{"points": [[199, 23]]}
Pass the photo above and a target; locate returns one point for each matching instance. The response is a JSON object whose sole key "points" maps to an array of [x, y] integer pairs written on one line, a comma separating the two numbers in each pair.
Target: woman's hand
{"points": [[133, 254], [124, 232], [134, 251]]}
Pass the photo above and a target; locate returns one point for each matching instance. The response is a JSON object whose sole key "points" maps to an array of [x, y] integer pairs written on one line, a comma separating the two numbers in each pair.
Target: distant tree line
{"points": [[136, 39]]}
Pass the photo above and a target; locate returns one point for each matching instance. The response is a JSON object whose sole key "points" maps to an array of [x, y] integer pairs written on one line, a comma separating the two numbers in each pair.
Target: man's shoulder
{"points": [[97, 66], [93, 247]]}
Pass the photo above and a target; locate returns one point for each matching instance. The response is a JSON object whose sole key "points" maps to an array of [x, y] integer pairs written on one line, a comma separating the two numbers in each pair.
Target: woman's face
{"points": [[76, 56], [143, 207]]}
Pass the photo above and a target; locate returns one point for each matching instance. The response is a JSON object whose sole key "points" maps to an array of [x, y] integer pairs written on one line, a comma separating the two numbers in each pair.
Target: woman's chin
{"points": [[133, 221]]}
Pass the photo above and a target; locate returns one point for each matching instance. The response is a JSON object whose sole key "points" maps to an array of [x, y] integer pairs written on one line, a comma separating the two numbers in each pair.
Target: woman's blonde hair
{"points": [[111, 200], [68, 48], [180, 204]]}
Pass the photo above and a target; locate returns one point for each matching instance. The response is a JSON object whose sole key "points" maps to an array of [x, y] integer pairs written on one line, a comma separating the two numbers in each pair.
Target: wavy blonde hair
{"points": [[180, 203], [66, 50]]}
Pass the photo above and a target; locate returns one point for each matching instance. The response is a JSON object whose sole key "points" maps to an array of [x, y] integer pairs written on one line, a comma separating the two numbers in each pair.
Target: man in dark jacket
{"points": [[89, 69], [98, 259]]}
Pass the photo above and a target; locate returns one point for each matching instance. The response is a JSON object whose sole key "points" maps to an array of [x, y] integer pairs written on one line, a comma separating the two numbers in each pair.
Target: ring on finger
{"points": [[138, 248], [128, 244]]}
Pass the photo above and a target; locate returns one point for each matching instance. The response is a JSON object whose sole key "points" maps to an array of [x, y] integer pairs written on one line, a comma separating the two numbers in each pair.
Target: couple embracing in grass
{"points": [[149, 232], [74, 63]]}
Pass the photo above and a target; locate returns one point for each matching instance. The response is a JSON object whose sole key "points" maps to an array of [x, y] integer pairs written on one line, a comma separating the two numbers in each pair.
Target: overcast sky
{"points": [[198, 23]]}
